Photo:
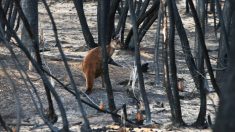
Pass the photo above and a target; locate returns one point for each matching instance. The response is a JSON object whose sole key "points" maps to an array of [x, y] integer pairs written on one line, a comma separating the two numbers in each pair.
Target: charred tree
{"points": [[138, 63], [85, 29], [29, 16], [166, 76], [212, 5], [103, 11], [37, 68], [86, 125], [205, 51], [113, 8], [12, 20], [223, 53], [187, 7], [122, 21], [143, 8], [147, 15], [147, 24], [10, 12], [225, 119], [177, 118], [6, 6], [185, 46], [30, 10], [12, 16], [200, 61], [158, 67]]}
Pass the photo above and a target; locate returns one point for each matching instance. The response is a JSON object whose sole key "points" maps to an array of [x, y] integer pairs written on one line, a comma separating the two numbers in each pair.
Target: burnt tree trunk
{"points": [[9, 13], [12, 20], [200, 63], [138, 63], [148, 14], [30, 37], [6, 5], [147, 24], [225, 119], [185, 44], [86, 125], [166, 77], [103, 11], [177, 120], [30, 10], [85, 29], [122, 22], [113, 8], [34, 63], [158, 67], [143, 8], [222, 54], [212, 5], [187, 7]]}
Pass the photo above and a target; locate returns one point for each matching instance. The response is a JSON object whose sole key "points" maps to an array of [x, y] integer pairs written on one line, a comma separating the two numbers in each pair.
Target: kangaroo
{"points": [[91, 66]]}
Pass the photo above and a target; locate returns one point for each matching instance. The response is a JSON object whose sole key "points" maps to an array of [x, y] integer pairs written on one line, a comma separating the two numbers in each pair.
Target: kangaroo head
{"points": [[115, 43]]}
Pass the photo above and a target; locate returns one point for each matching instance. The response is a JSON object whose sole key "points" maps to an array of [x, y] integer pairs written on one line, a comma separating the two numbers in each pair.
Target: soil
{"points": [[73, 43]]}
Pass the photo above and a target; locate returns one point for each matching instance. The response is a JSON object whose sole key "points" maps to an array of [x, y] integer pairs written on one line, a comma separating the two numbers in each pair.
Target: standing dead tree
{"points": [[42, 72], [138, 63], [142, 18], [196, 69], [225, 117], [86, 122], [200, 30], [222, 63], [38, 69], [103, 11], [30, 36], [85, 29], [158, 67], [146, 18], [173, 89]]}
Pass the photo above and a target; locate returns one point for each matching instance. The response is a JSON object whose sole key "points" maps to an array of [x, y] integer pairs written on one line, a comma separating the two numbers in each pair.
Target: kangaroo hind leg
{"points": [[89, 82]]}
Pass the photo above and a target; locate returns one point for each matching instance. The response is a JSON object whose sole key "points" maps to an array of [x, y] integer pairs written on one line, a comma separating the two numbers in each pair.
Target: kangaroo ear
{"points": [[118, 36]]}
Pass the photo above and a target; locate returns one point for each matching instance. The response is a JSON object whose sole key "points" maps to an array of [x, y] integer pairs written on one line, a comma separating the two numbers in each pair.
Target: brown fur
{"points": [[181, 84], [91, 66]]}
